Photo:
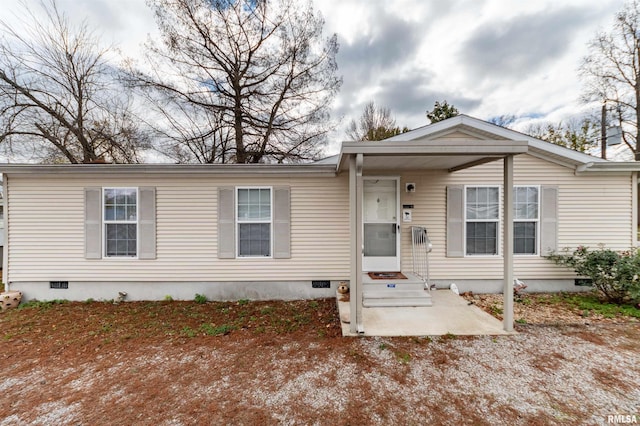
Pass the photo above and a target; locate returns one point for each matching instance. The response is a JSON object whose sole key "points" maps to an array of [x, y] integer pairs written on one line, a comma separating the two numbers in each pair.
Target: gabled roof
{"points": [[455, 133], [484, 130]]}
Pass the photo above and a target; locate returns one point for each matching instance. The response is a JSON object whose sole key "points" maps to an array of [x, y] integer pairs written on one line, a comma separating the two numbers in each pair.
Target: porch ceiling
{"points": [[449, 155]]}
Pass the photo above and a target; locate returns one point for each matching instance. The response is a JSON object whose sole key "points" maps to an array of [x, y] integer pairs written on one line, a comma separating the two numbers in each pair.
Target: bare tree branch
{"points": [[258, 76], [611, 72], [60, 96]]}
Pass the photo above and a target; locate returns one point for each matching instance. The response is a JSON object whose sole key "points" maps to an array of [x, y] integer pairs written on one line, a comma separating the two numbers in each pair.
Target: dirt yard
{"points": [[184, 363]]}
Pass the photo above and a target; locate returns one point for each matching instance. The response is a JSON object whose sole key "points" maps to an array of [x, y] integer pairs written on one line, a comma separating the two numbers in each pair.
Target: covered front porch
{"points": [[448, 312]]}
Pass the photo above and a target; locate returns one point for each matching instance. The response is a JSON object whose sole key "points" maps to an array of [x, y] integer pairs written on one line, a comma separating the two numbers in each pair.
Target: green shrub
{"points": [[200, 299], [615, 275]]}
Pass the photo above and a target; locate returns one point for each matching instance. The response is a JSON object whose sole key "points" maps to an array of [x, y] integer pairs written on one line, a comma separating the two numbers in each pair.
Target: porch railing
{"points": [[420, 249]]}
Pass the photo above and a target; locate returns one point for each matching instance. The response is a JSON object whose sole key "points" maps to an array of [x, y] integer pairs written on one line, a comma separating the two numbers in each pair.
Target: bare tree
{"points": [[375, 124], [611, 72], [58, 93], [260, 71], [504, 120]]}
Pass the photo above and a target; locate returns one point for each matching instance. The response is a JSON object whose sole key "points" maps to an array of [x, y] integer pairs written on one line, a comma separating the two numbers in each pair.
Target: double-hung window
{"points": [[254, 217], [120, 218], [526, 216], [482, 218]]}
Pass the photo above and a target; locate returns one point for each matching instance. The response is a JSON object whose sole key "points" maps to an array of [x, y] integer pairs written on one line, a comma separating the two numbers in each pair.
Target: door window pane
{"points": [[379, 239]]}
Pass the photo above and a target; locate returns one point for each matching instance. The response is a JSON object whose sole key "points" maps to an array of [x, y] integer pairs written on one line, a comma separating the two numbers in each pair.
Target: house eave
{"points": [[609, 167], [227, 170]]}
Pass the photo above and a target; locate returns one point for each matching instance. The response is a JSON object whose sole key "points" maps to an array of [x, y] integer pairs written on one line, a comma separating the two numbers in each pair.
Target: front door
{"points": [[380, 211]]}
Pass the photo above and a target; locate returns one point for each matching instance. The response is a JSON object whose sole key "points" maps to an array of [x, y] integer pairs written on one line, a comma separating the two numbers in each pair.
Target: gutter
{"points": [[226, 170], [609, 167]]}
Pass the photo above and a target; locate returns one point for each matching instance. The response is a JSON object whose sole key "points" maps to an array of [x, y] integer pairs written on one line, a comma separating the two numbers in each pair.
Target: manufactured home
{"points": [[460, 201]]}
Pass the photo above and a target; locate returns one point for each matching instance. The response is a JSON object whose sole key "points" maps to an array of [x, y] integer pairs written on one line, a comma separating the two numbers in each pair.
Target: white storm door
{"points": [[380, 211]]}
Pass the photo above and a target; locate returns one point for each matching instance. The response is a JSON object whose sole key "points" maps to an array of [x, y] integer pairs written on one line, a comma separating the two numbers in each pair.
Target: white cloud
{"points": [[488, 57]]}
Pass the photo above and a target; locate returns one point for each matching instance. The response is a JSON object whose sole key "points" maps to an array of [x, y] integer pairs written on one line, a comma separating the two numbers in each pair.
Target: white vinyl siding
{"points": [[48, 217], [591, 209], [47, 225]]}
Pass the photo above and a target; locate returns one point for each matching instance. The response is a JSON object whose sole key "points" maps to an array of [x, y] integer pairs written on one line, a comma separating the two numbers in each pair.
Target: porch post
{"points": [[507, 244], [355, 212]]}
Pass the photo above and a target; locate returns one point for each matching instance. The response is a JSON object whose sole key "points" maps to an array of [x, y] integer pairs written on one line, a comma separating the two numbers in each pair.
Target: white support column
{"points": [[355, 220], [353, 225], [359, 243], [507, 244]]}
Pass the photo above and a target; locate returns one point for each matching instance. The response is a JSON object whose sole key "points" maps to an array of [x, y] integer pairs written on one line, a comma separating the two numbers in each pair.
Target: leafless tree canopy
{"points": [[59, 99], [375, 124], [611, 72], [243, 81]]}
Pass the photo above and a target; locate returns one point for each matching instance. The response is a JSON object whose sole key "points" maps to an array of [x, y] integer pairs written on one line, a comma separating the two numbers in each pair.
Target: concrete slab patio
{"points": [[450, 313]]}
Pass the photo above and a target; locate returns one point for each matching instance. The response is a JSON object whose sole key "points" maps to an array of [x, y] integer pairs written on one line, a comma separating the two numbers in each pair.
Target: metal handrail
{"points": [[420, 248]]}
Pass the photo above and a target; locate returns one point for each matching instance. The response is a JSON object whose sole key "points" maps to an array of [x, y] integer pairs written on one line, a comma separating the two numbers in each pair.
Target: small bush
{"points": [[200, 299], [211, 330], [615, 275]]}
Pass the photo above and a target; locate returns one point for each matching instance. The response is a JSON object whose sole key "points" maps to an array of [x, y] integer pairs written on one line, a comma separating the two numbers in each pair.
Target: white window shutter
{"points": [[93, 223], [455, 221], [147, 223], [549, 219], [281, 222], [226, 223]]}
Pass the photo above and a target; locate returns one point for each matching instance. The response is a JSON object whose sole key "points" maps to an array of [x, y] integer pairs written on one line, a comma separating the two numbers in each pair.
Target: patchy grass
{"points": [[558, 308], [590, 304], [60, 320]]}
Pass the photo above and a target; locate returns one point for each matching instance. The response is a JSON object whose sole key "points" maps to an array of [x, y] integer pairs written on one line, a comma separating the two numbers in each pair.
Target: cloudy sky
{"points": [[486, 57]]}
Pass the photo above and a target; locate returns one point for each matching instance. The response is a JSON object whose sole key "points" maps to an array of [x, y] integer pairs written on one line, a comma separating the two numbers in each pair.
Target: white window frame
{"points": [[498, 221], [537, 221], [238, 221], [105, 222]]}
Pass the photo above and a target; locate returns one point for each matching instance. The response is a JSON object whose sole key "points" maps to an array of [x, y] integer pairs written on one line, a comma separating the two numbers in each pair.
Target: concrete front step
{"points": [[393, 297], [393, 287]]}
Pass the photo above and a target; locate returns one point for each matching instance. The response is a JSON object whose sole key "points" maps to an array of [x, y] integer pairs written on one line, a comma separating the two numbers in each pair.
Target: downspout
{"points": [[5, 231], [634, 209]]}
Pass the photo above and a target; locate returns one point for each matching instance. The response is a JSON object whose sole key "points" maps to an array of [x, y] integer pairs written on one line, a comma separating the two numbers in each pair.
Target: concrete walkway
{"points": [[450, 313]]}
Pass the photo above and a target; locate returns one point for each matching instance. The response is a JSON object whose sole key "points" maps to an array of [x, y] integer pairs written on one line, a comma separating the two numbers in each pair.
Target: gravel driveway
{"points": [[543, 375]]}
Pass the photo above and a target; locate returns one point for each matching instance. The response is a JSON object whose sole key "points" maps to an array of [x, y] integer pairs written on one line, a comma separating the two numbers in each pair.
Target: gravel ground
{"points": [[546, 374]]}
